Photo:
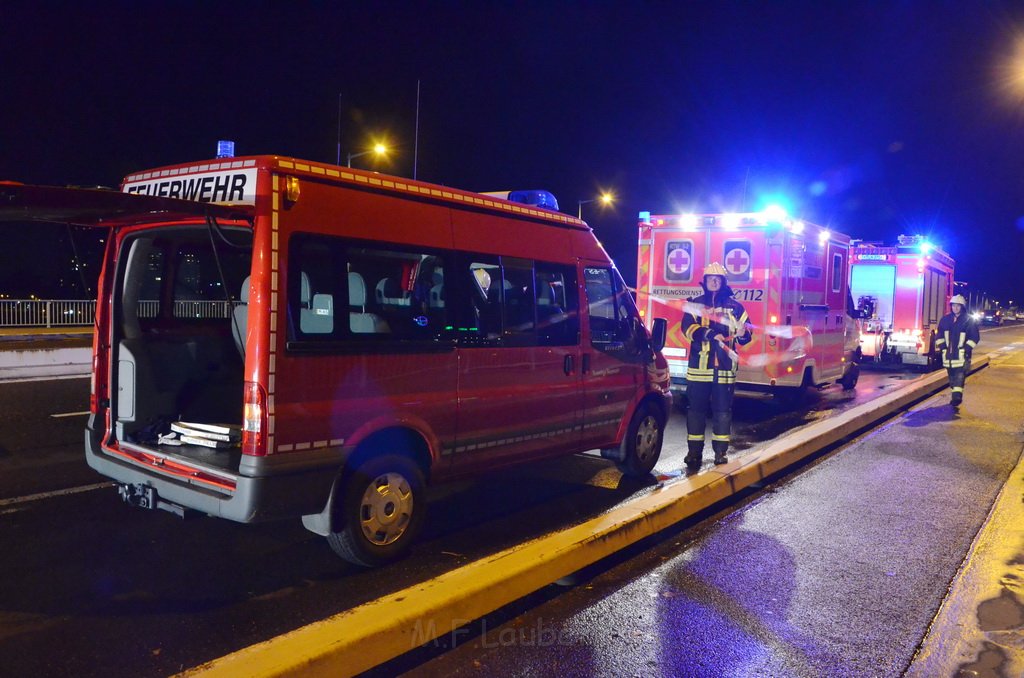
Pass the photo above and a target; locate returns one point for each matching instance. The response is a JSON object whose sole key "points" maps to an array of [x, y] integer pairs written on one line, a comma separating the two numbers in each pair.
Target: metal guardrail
{"points": [[77, 313]]}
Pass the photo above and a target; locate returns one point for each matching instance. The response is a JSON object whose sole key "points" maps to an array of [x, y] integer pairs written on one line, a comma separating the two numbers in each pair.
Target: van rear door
{"points": [[108, 209]]}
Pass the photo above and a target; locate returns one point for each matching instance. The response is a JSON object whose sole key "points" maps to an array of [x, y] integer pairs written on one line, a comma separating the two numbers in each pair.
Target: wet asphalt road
{"points": [[836, 570], [102, 589]]}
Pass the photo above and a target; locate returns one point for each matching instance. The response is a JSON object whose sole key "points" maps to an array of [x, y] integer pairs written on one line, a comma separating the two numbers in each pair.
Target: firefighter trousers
{"points": [[957, 377], [704, 396]]}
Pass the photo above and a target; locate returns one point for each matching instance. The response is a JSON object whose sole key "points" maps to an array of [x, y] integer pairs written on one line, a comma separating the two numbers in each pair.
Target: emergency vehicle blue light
{"points": [[926, 247], [645, 216], [225, 149], [774, 213], [536, 198]]}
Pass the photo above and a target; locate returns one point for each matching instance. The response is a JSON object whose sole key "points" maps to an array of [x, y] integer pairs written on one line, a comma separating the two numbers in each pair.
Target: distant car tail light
{"points": [[254, 420]]}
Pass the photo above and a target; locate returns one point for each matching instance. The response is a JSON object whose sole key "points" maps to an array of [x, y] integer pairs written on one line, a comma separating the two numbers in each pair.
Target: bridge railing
{"points": [[78, 313]]}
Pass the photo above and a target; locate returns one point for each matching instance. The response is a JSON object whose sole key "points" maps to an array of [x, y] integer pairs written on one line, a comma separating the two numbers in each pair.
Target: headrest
{"points": [[356, 290], [388, 288], [305, 292]]}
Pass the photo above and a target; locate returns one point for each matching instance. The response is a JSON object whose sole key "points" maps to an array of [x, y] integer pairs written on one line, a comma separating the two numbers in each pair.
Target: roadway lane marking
{"points": [[69, 414], [56, 493]]}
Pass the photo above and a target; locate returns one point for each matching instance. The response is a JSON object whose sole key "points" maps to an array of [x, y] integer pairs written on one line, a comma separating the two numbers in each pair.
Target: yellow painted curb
{"points": [[366, 636]]}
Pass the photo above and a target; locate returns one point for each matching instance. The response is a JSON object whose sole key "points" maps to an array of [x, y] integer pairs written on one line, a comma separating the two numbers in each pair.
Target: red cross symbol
{"points": [[678, 260], [738, 261]]}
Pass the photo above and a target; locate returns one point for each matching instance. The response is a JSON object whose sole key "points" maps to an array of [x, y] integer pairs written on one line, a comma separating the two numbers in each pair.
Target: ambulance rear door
{"points": [[836, 281], [678, 257]]}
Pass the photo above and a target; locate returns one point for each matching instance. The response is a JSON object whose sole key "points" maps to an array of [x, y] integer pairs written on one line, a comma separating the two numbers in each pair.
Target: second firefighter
{"points": [[957, 337], [715, 324]]}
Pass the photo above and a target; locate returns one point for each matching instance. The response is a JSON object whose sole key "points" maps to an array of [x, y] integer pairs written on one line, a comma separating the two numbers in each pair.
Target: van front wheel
{"points": [[382, 511], [642, 445]]}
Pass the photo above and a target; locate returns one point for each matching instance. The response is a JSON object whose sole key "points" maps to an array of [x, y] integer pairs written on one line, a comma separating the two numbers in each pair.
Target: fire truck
{"points": [[791, 276], [902, 292]]}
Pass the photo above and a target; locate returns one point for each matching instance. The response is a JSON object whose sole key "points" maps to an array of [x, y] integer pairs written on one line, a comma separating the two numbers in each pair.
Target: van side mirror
{"points": [[658, 334]]}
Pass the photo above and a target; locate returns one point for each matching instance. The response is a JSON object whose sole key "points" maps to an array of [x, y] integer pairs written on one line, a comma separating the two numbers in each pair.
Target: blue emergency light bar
{"points": [[542, 199], [536, 198], [225, 149]]}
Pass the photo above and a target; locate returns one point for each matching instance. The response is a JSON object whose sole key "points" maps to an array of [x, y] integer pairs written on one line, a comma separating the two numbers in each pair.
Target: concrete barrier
{"points": [[369, 635], [42, 363]]}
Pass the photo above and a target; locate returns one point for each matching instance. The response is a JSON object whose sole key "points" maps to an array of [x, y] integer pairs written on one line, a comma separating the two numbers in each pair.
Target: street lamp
{"points": [[605, 199], [379, 149]]}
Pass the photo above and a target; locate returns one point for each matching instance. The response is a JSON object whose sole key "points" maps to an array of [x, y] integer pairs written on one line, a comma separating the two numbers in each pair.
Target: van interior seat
{"points": [[240, 317], [316, 311], [359, 321], [388, 293]]}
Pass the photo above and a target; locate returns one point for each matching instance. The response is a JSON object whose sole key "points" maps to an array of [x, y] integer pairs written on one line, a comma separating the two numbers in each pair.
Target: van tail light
{"points": [[254, 420], [93, 400]]}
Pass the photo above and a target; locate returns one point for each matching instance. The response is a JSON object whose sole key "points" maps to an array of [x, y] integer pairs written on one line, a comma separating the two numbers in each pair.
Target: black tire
{"points": [[849, 380], [382, 510], [641, 445]]}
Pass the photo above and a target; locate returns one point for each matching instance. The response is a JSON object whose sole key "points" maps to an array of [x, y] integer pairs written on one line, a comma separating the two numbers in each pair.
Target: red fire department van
{"points": [[791, 277], [903, 291], [277, 337]]}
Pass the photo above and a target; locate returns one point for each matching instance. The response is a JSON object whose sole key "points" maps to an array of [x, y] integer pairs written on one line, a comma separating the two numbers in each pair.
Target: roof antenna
{"points": [[416, 142]]}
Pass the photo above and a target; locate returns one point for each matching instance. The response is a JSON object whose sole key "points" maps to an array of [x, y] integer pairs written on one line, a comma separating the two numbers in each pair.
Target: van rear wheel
{"points": [[642, 445], [382, 510]]}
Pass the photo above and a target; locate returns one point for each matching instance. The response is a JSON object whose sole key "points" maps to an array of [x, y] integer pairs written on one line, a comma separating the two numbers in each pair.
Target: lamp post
{"points": [[605, 199], [379, 149]]}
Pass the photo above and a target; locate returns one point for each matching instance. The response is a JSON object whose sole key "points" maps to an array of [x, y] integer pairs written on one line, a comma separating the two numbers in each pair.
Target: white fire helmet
{"points": [[715, 268], [958, 299]]}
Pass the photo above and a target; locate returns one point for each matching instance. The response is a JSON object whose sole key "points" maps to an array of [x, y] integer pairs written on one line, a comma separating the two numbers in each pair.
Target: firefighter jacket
{"points": [[957, 337], [714, 326]]}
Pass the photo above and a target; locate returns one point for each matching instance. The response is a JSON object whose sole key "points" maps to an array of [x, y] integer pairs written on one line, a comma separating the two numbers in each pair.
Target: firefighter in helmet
{"points": [[957, 337], [715, 324]]}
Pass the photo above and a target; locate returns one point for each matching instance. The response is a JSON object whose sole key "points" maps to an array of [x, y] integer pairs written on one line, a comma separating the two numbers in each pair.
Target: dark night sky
{"points": [[875, 118]]}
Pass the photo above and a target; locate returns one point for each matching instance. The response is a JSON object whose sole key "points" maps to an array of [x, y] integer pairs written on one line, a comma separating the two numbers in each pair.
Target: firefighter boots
{"points": [[694, 455]]}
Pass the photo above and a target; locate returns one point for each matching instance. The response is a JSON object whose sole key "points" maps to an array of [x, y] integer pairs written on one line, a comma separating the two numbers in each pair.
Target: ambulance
{"points": [[791, 277], [902, 291], [283, 338]]}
